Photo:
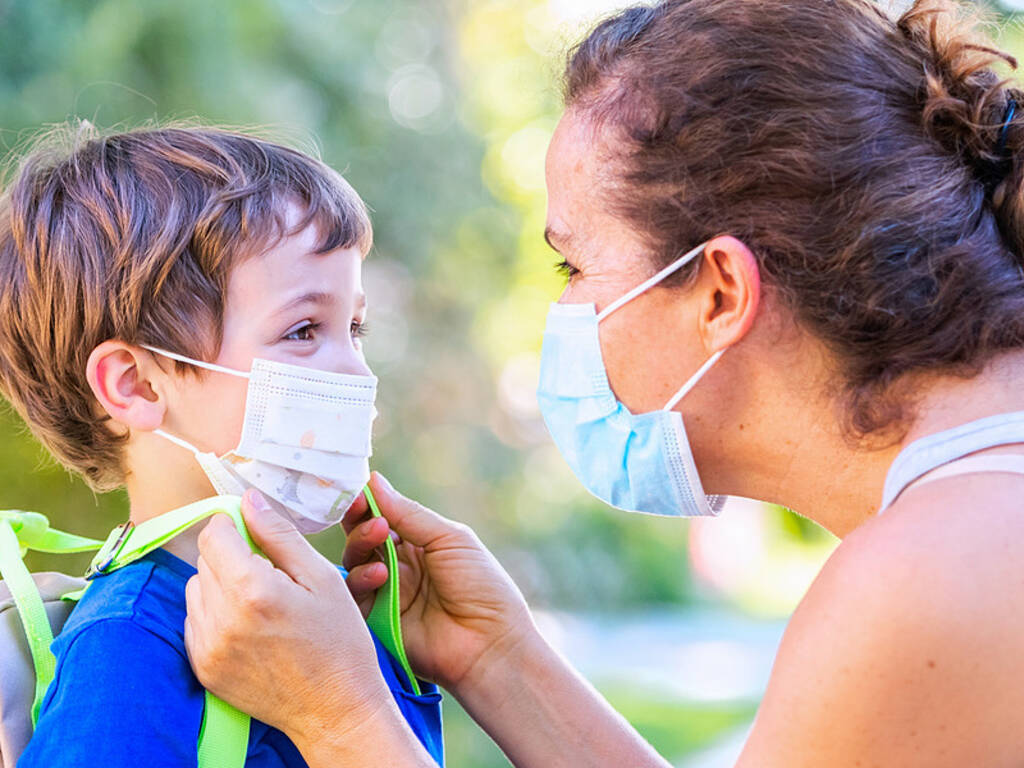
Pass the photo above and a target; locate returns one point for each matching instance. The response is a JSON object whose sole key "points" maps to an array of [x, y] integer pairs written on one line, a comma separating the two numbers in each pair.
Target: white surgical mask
{"points": [[305, 441]]}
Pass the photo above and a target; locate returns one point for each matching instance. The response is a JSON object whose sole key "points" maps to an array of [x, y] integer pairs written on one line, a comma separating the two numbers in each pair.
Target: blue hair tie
{"points": [[1011, 108]]}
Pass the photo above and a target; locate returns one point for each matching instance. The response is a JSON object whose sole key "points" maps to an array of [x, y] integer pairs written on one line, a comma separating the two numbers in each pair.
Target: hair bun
{"points": [[966, 105]]}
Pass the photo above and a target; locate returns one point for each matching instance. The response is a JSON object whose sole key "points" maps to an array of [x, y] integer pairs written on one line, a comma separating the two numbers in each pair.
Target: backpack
{"points": [[34, 607]]}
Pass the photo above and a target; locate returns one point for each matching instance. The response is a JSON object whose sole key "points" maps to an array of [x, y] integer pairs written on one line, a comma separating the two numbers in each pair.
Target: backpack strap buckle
{"points": [[110, 549]]}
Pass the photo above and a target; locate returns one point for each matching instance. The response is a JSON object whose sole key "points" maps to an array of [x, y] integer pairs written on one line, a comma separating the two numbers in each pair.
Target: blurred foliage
{"points": [[674, 728], [439, 113]]}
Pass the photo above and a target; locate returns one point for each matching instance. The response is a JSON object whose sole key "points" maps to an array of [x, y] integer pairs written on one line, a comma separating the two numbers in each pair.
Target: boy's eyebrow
{"points": [[322, 298], [312, 297]]}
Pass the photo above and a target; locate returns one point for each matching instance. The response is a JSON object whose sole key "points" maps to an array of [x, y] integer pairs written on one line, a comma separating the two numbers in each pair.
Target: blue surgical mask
{"points": [[635, 462]]}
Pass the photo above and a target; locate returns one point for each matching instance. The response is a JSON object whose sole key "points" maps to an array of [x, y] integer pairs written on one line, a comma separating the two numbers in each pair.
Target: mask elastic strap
{"points": [[692, 382], [676, 265], [220, 478], [199, 363], [177, 441]]}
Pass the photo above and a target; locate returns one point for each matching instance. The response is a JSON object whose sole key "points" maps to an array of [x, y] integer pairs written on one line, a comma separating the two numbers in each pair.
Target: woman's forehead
{"points": [[576, 178]]}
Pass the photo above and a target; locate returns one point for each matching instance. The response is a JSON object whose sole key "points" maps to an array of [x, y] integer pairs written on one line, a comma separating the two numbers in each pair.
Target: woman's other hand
{"points": [[461, 612]]}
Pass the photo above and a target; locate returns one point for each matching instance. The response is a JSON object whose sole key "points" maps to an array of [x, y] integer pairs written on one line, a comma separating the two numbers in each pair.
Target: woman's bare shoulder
{"points": [[906, 649]]}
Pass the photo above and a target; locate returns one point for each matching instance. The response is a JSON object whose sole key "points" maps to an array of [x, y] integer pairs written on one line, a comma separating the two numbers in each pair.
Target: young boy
{"points": [[216, 247]]}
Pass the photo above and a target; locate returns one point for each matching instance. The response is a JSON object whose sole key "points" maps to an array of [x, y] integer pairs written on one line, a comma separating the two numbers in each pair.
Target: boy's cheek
{"points": [[214, 414]]}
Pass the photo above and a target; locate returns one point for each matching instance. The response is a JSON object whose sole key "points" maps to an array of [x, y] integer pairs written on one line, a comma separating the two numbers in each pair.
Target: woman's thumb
{"points": [[281, 541], [409, 519]]}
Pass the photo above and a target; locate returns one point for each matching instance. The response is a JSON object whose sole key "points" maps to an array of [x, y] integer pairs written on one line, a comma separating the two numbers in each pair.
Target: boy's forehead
{"points": [[292, 269]]}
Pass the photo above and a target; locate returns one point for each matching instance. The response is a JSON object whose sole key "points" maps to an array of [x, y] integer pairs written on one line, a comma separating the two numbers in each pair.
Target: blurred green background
{"points": [[439, 113]]}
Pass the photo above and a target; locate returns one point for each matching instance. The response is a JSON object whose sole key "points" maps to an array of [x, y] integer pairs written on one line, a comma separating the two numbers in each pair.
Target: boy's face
{"points": [[288, 304]]}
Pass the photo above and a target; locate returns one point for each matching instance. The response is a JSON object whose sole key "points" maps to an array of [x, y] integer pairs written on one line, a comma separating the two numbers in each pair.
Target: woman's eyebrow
{"points": [[551, 236]]}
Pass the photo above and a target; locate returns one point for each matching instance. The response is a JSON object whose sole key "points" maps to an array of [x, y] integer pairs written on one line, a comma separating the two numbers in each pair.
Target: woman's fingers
{"points": [[282, 543], [253, 630], [223, 548], [412, 521], [194, 598], [196, 619], [363, 540], [364, 581], [356, 513]]}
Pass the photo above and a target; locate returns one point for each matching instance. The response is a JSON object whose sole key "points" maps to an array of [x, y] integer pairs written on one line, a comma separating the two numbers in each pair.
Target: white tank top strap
{"points": [[1010, 463], [947, 454]]}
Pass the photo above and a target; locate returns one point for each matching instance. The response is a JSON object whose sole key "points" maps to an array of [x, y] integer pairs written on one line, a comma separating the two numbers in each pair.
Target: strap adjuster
{"points": [[110, 549]]}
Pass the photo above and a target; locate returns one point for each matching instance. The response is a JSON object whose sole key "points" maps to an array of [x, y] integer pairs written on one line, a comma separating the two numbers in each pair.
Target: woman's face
{"points": [[771, 393], [651, 346]]}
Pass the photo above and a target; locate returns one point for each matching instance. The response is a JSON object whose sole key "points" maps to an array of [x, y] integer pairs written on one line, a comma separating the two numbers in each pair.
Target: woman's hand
{"points": [[461, 612], [287, 644]]}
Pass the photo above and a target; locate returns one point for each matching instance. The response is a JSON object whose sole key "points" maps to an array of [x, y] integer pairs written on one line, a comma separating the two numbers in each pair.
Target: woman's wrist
{"points": [[543, 714], [495, 672], [359, 733]]}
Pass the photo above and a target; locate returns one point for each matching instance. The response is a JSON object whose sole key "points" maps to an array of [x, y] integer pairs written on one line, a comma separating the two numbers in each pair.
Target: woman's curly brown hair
{"points": [[866, 161]]}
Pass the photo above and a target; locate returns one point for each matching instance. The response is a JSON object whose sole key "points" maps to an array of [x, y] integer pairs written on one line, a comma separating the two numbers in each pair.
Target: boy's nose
{"points": [[353, 363], [363, 369]]}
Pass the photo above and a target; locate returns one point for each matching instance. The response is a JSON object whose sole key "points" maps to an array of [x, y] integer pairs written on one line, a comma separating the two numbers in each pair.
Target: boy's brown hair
{"points": [[132, 236]]}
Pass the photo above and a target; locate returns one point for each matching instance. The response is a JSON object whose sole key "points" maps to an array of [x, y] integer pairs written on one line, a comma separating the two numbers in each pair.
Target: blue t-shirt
{"points": [[125, 696]]}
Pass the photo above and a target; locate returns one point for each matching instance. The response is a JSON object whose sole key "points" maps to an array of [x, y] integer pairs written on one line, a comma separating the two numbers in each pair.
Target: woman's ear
{"points": [[115, 375], [733, 286]]}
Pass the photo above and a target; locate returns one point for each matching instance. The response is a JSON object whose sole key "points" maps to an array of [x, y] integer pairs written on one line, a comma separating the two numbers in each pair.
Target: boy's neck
{"points": [[152, 499]]}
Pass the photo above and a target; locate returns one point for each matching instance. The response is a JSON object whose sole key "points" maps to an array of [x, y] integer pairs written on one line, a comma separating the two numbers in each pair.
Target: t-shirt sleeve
{"points": [[123, 696]]}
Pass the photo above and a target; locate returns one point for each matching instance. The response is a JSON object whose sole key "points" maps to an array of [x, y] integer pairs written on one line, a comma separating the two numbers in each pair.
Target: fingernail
{"points": [[257, 501], [386, 483]]}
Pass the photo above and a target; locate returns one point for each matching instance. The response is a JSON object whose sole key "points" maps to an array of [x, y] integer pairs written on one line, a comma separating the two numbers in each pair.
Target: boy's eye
{"points": [[566, 269], [302, 333]]}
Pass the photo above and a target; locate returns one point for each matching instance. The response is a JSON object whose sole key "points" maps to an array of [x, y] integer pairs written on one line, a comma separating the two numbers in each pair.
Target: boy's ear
{"points": [[115, 374]]}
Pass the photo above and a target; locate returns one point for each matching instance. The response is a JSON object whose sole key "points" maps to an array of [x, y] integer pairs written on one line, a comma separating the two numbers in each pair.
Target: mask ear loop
{"points": [[675, 266], [221, 480], [177, 441], [692, 382], [198, 363]]}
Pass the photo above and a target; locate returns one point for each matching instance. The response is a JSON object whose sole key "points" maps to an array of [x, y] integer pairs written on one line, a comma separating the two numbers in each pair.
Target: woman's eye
{"points": [[302, 333], [567, 270], [358, 329]]}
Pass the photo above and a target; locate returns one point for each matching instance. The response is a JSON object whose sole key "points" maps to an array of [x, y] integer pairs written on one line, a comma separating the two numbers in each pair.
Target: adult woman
{"points": [[845, 192]]}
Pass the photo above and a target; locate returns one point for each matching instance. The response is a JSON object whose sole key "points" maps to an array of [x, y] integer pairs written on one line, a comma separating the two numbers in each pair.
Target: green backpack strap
{"points": [[385, 619], [19, 532], [224, 733]]}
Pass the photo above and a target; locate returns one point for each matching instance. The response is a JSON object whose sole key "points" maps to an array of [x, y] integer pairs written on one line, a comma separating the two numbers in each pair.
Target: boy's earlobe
{"points": [[114, 371]]}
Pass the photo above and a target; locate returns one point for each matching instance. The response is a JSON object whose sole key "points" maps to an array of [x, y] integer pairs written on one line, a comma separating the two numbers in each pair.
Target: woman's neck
{"points": [[837, 482], [954, 401]]}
